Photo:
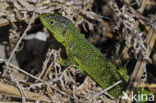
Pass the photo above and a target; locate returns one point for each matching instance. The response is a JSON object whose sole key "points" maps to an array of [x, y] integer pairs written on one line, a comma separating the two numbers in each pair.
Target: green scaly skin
{"points": [[81, 51]]}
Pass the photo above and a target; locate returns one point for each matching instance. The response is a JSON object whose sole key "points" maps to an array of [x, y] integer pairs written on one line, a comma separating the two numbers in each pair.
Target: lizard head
{"points": [[57, 25]]}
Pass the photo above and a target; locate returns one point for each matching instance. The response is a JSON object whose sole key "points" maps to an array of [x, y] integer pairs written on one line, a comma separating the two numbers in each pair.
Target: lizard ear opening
{"points": [[64, 33]]}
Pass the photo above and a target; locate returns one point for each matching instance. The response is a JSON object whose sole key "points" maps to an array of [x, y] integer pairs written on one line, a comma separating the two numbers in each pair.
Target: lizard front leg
{"points": [[65, 62]]}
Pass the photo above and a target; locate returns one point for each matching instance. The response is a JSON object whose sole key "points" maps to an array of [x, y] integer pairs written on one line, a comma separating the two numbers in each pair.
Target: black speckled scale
{"points": [[83, 52]]}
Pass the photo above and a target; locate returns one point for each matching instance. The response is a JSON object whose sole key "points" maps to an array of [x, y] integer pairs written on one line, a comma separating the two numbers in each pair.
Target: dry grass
{"points": [[30, 71]]}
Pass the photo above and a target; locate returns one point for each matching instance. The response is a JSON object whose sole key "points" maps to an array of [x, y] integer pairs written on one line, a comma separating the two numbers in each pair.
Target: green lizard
{"points": [[82, 52]]}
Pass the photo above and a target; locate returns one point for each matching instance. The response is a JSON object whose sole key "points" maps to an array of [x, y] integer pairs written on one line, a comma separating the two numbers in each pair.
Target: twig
{"points": [[17, 45], [105, 90], [25, 32], [88, 5], [137, 2], [45, 70], [140, 63], [15, 67], [146, 85], [138, 71], [14, 92], [144, 3], [11, 75]]}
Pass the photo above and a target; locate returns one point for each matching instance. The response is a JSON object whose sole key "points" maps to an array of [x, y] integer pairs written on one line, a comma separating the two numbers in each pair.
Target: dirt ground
{"points": [[123, 30]]}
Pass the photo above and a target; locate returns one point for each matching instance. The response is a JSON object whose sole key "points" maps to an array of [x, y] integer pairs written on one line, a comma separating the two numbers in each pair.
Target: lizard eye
{"points": [[51, 21]]}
